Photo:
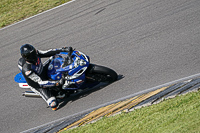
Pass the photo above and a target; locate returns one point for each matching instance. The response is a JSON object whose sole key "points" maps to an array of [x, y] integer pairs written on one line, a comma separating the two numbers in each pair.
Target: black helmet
{"points": [[29, 53]]}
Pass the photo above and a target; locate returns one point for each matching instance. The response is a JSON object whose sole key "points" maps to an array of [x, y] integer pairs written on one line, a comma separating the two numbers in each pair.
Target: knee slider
{"points": [[52, 102]]}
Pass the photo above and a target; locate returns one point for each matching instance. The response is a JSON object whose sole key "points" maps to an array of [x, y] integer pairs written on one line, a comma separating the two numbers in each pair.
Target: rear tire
{"points": [[101, 74]]}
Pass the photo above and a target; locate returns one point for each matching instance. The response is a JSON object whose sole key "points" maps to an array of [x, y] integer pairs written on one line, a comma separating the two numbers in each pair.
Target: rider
{"points": [[35, 72]]}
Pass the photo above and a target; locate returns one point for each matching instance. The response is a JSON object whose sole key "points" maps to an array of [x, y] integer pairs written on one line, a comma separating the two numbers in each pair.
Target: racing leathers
{"points": [[36, 75]]}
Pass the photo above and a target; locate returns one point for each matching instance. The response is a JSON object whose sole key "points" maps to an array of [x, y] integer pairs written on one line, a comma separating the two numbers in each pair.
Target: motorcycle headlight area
{"points": [[80, 62]]}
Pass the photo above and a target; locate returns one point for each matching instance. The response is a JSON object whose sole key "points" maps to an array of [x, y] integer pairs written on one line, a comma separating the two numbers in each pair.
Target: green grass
{"points": [[12, 11], [178, 115]]}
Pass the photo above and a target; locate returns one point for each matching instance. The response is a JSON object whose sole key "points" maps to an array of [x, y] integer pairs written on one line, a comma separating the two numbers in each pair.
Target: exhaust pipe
{"points": [[31, 94]]}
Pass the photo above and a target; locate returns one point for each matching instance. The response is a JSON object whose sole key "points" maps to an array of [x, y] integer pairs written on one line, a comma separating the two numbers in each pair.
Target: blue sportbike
{"points": [[74, 67]]}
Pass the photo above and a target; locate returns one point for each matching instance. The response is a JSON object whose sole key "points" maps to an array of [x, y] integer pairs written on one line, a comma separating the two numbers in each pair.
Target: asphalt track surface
{"points": [[149, 42]]}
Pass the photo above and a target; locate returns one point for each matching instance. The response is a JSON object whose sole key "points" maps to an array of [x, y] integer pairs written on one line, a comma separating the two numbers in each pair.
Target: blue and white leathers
{"points": [[34, 75]]}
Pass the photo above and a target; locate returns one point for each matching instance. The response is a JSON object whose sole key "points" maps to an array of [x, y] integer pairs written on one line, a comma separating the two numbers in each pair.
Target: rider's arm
{"points": [[52, 52]]}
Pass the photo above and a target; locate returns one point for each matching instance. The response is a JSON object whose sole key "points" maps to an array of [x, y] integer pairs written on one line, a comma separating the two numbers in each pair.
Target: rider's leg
{"points": [[47, 96]]}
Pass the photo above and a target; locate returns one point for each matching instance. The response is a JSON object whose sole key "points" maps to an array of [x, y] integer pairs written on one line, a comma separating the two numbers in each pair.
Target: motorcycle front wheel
{"points": [[101, 74]]}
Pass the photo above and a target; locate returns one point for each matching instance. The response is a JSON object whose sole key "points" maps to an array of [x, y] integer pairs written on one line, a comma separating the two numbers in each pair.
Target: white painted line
{"points": [[38, 14]]}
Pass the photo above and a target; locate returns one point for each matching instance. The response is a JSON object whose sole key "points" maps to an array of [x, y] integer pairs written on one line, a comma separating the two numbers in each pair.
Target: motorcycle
{"points": [[73, 66]]}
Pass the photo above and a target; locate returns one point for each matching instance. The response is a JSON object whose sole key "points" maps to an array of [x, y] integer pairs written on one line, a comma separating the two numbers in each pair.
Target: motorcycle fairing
{"points": [[76, 70], [19, 78]]}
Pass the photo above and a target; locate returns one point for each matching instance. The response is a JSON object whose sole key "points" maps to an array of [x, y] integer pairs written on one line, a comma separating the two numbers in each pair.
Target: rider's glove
{"points": [[67, 49]]}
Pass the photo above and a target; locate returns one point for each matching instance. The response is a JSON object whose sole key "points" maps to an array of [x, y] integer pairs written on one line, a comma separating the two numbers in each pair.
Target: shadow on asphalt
{"points": [[86, 92]]}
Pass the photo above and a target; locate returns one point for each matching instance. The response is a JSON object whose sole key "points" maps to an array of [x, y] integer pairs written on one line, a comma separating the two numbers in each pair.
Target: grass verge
{"points": [[178, 115], [12, 11]]}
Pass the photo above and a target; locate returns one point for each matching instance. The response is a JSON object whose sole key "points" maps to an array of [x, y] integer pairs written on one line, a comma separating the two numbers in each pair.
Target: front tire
{"points": [[101, 74]]}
